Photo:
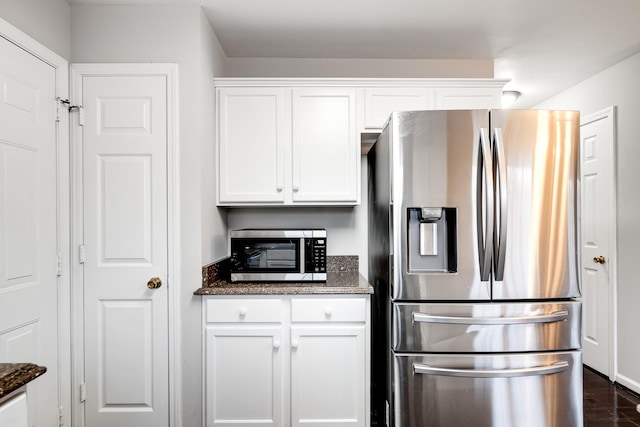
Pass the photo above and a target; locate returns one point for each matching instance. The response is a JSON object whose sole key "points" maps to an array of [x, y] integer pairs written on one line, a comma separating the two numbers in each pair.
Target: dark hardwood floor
{"points": [[608, 405]]}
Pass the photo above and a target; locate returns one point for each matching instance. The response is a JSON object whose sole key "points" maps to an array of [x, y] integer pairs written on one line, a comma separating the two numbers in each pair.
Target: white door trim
{"points": [[61, 66], [611, 112], [170, 71]]}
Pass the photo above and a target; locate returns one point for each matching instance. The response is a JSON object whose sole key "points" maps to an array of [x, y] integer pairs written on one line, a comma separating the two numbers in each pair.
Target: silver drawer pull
{"points": [[491, 373], [556, 316]]}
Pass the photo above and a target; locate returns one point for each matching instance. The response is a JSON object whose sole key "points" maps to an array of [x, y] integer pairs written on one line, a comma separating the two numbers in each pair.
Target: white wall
{"points": [[214, 227], [620, 86], [380, 68], [175, 34], [47, 21]]}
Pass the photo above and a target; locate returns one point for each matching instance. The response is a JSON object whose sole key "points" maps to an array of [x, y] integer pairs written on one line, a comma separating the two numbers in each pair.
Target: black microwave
{"points": [[278, 255]]}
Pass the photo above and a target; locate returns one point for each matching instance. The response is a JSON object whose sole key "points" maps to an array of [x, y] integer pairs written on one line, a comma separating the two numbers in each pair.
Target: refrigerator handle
{"points": [[500, 231], [484, 205], [556, 316], [553, 368]]}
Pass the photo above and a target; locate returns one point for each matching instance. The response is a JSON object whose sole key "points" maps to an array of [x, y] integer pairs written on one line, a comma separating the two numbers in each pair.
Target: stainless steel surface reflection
{"points": [[520, 390], [486, 328], [474, 257]]}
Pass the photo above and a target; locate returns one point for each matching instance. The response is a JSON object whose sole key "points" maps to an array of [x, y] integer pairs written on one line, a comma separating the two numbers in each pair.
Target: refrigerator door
{"points": [[536, 180], [518, 390], [486, 328], [441, 205]]}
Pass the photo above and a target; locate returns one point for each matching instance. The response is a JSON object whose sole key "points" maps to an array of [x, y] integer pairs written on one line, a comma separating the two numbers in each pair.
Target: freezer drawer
{"points": [[519, 390], [486, 327]]}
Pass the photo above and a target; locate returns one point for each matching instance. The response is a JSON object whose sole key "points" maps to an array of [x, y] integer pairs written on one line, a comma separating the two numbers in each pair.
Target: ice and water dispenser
{"points": [[432, 240]]}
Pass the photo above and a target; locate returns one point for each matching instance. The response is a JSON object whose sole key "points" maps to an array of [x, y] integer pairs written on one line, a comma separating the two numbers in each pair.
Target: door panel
{"points": [[28, 223], [252, 157], [519, 390], [324, 158], [436, 164], [244, 376], [597, 233], [536, 204], [125, 226], [328, 376]]}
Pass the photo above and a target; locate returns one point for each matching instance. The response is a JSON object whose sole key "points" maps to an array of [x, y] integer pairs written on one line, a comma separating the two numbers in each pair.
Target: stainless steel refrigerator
{"points": [[473, 253]]}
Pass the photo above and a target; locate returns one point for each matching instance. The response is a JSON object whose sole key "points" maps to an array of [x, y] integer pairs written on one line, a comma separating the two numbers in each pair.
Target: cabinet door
{"points": [[13, 413], [326, 152], [328, 375], [244, 376], [380, 102], [251, 145], [467, 98]]}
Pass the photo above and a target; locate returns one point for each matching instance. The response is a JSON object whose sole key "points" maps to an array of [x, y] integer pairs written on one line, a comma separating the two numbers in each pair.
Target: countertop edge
{"points": [[19, 376], [356, 284]]}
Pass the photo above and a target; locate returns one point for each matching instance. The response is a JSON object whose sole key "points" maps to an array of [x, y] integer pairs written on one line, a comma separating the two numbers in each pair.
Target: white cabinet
{"points": [[467, 98], [13, 411], [326, 152], [296, 142], [380, 102], [252, 141], [328, 369], [243, 363], [287, 146], [428, 94], [287, 360]]}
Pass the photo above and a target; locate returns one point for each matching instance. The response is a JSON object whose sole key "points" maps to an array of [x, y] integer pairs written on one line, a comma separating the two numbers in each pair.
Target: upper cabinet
{"points": [[251, 145], [380, 102], [467, 97], [297, 142], [387, 96], [325, 147]]}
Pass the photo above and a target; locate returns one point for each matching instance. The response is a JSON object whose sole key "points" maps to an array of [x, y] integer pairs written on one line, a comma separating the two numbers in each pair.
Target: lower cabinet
{"points": [[13, 411], [287, 361]]}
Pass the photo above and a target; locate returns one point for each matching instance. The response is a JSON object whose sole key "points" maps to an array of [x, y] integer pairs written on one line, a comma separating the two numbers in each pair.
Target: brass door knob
{"points": [[154, 283], [599, 259]]}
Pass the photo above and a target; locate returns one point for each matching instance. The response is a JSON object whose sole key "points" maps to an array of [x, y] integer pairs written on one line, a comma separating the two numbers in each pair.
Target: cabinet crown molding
{"points": [[359, 82]]}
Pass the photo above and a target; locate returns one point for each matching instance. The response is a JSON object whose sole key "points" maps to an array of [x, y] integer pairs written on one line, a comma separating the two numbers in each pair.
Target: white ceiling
{"points": [[543, 46]]}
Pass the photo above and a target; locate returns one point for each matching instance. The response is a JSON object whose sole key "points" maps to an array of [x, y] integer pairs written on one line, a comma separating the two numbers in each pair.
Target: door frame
{"points": [[170, 72], [612, 227], [61, 67]]}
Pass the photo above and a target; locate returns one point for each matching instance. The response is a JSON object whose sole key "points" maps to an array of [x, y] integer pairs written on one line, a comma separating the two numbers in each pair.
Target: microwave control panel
{"points": [[316, 255]]}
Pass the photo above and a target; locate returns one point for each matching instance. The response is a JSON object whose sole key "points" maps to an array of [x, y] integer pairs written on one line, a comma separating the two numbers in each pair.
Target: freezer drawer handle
{"points": [[556, 316], [556, 367]]}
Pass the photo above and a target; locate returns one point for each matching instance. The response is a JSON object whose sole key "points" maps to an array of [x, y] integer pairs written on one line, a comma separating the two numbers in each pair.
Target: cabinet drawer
{"points": [[244, 310], [328, 309]]}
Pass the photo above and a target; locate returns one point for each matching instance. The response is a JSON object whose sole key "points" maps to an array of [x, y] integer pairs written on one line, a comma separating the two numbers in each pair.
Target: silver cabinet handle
{"points": [[556, 316], [556, 367]]}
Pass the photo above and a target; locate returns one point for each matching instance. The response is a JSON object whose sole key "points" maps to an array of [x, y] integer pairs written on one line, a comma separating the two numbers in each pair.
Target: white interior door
{"points": [[124, 140], [28, 223], [598, 237]]}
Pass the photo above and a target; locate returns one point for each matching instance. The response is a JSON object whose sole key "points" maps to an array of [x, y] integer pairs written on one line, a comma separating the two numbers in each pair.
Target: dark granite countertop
{"points": [[15, 375], [342, 278]]}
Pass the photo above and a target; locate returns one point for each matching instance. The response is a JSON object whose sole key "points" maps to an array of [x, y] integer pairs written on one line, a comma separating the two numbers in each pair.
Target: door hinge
{"points": [[83, 392], [81, 254], [71, 108], [60, 416], [59, 264]]}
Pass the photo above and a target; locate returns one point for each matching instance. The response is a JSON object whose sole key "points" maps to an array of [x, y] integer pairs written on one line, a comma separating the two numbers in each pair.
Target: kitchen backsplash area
{"points": [[216, 271]]}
